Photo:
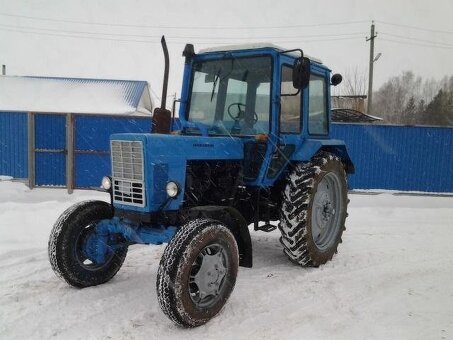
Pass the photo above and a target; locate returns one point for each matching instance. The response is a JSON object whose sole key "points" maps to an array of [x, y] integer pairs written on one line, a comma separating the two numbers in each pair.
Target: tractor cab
{"points": [[270, 98]]}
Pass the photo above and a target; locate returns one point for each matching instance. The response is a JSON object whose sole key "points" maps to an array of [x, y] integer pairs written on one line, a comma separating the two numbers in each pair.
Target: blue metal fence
{"points": [[399, 157], [13, 144], [92, 149], [50, 150], [385, 157]]}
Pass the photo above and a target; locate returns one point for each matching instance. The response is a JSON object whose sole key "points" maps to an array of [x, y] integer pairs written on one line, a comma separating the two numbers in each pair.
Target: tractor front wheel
{"points": [[197, 272], [69, 243]]}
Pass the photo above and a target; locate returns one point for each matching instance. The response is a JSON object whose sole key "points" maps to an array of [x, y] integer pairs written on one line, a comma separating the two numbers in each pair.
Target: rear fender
{"points": [[311, 147]]}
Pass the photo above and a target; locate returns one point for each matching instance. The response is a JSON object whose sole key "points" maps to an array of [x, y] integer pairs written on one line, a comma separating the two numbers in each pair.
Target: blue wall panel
{"points": [[50, 169], [50, 131], [50, 141], [93, 132], [90, 168], [398, 157], [13, 144], [92, 144]]}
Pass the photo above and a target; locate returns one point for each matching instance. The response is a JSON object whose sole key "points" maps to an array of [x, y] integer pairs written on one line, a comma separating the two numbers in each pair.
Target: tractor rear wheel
{"points": [[314, 210], [197, 272]]}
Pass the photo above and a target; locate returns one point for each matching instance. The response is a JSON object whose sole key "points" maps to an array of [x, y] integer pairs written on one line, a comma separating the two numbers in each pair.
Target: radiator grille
{"points": [[127, 172]]}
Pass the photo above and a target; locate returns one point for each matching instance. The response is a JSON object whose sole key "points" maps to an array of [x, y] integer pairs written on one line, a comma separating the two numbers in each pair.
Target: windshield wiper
{"points": [[217, 76]]}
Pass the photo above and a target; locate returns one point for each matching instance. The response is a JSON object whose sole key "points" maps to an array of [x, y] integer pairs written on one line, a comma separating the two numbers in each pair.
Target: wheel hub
{"points": [[324, 210], [325, 222], [210, 275], [208, 272]]}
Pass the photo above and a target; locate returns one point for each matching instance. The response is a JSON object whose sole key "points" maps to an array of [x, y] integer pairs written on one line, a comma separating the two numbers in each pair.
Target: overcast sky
{"points": [[120, 39]]}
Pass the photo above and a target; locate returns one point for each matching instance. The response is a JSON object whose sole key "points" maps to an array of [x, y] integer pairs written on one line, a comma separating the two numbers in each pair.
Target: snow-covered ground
{"points": [[392, 279]]}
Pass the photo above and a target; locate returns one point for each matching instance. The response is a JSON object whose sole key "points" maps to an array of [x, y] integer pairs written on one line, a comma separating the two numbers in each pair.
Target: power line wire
{"points": [[299, 39], [180, 37], [419, 40], [78, 36], [415, 27], [416, 44], [181, 27]]}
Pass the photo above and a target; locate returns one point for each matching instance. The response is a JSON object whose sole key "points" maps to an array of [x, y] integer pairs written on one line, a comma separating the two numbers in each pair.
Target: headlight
{"points": [[106, 183], [172, 189]]}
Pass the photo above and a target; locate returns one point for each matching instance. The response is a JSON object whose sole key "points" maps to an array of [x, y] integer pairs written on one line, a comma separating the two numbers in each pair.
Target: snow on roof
{"points": [[251, 46], [74, 95]]}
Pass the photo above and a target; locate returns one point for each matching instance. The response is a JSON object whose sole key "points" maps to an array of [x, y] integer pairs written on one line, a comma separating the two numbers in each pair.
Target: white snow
{"points": [[62, 95], [392, 279]]}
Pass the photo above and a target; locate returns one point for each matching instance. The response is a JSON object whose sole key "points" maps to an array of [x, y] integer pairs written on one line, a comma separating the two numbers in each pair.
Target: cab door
{"points": [[290, 119]]}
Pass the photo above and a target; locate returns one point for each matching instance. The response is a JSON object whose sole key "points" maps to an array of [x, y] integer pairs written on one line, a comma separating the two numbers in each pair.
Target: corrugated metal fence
{"points": [[385, 157], [399, 157], [91, 146], [13, 144]]}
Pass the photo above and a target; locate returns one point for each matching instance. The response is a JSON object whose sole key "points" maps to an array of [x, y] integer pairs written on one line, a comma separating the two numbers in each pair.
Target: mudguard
{"points": [[237, 225], [311, 146]]}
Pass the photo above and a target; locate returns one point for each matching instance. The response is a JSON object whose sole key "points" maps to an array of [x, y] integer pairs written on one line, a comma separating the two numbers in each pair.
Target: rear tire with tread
{"points": [[297, 223]]}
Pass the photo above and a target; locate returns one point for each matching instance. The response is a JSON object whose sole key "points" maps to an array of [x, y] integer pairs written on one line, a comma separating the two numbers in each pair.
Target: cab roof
{"points": [[252, 46]]}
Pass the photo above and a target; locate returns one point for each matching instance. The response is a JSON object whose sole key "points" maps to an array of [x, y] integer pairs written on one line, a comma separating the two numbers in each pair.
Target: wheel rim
{"points": [[207, 276], [81, 254], [326, 211]]}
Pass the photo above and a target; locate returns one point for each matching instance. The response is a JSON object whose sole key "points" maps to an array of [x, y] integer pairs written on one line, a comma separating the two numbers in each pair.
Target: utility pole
{"points": [[370, 77]]}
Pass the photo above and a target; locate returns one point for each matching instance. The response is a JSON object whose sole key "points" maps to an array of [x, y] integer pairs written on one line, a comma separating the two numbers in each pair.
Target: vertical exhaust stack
{"points": [[162, 116]]}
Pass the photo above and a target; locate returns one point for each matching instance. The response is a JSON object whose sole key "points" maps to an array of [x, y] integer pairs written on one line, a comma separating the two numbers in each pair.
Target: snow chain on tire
{"points": [[296, 209], [172, 284]]}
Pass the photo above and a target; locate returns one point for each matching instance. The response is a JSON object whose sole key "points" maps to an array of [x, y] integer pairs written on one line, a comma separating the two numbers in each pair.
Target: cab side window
{"points": [[317, 106], [289, 103]]}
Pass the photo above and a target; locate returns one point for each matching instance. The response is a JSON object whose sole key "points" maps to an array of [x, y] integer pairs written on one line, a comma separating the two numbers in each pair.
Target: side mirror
{"points": [[336, 79], [301, 73]]}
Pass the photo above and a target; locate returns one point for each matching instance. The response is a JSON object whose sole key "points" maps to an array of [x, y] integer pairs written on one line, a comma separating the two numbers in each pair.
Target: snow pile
{"points": [[392, 279]]}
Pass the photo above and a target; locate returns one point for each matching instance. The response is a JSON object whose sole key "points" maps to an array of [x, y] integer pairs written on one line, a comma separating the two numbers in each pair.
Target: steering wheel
{"points": [[240, 115]]}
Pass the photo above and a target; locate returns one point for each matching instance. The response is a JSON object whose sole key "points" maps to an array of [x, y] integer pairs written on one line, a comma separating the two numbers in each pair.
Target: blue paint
{"points": [[13, 144], [50, 131], [165, 158], [103, 240], [92, 133], [50, 143], [90, 168], [92, 144], [399, 157], [50, 169]]}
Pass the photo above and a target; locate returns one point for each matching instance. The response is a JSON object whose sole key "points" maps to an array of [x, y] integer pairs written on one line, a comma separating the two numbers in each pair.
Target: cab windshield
{"points": [[231, 96]]}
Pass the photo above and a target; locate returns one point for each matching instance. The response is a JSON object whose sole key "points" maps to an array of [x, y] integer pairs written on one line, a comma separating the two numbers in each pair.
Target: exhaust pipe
{"points": [[162, 116]]}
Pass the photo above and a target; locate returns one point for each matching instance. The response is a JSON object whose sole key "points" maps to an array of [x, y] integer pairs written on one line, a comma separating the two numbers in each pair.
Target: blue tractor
{"points": [[251, 146]]}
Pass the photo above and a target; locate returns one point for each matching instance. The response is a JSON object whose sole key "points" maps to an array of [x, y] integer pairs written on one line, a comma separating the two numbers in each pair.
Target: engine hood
{"points": [[165, 159]]}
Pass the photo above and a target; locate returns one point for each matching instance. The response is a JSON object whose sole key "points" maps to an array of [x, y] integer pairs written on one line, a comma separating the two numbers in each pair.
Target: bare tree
{"points": [[354, 83]]}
